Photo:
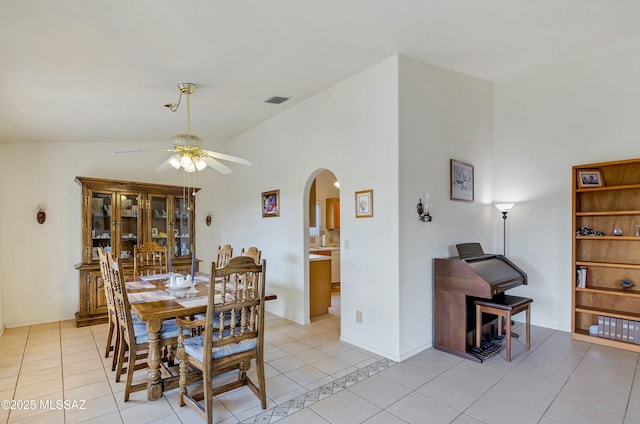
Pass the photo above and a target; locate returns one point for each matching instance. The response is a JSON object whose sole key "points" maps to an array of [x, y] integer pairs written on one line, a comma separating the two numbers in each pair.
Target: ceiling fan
{"points": [[187, 150]]}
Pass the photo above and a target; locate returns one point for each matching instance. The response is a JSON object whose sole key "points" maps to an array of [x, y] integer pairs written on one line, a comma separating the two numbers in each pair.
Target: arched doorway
{"points": [[322, 232]]}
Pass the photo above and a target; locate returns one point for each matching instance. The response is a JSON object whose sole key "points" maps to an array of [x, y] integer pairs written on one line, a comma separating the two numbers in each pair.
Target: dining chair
{"points": [[149, 259], [224, 254], [233, 336], [134, 337], [253, 253], [111, 309]]}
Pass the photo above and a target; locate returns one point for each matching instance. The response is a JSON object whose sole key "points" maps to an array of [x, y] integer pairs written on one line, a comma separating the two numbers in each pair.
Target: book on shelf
{"points": [[625, 330], [607, 327], [619, 329], [600, 325], [581, 277], [632, 332], [612, 328]]}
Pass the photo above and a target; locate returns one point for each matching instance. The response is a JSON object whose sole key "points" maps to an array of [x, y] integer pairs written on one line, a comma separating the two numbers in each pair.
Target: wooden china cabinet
{"points": [[118, 215]]}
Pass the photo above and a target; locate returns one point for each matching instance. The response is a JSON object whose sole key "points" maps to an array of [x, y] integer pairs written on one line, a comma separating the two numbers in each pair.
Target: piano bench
{"points": [[511, 306]]}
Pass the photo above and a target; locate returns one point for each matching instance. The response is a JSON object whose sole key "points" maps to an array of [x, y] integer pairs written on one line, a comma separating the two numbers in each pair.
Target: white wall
{"points": [[38, 260], [582, 110], [351, 129], [443, 115]]}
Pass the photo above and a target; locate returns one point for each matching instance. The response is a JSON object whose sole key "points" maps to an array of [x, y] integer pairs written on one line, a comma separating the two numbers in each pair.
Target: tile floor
{"points": [[312, 377]]}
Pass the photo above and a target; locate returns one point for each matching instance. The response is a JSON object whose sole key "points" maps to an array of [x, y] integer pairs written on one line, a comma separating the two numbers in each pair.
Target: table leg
{"points": [[154, 384]]}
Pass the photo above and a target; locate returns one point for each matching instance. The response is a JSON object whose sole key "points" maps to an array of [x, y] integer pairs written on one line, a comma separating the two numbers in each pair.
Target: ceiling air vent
{"points": [[276, 100]]}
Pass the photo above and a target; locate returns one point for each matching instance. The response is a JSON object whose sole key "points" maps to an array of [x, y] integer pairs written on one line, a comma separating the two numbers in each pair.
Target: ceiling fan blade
{"points": [[223, 169], [144, 150], [165, 166], [229, 158]]}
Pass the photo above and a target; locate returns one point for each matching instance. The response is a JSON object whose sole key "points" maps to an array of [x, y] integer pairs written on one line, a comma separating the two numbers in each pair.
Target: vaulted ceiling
{"points": [[101, 71]]}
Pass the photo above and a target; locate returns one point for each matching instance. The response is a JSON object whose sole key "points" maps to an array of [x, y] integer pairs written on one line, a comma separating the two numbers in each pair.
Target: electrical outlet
{"points": [[359, 317]]}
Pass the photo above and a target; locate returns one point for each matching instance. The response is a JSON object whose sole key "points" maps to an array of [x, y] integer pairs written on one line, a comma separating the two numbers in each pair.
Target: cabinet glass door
{"points": [[101, 222], [160, 220], [129, 224], [182, 228]]}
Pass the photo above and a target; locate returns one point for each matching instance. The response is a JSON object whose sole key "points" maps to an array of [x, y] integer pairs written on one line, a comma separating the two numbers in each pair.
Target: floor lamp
{"points": [[504, 208]]}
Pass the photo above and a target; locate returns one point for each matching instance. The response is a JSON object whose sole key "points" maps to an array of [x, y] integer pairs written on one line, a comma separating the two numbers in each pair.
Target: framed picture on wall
{"points": [[364, 204], [590, 178], [271, 203], [462, 184]]}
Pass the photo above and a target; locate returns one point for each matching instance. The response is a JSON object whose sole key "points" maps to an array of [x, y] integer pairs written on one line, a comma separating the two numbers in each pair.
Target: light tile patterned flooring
{"points": [[312, 377]]}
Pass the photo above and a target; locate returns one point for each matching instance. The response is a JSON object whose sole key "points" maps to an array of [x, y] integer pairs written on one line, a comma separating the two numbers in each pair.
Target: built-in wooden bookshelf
{"points": [[606, 220]]}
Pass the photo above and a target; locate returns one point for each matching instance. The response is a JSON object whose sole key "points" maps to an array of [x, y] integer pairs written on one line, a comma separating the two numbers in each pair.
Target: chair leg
{"points": [[109, 339], [121, 350], [528, 325], [508, 335], [116, 350], [207, 384], [261, 381], [131, 368], [478, 325]]}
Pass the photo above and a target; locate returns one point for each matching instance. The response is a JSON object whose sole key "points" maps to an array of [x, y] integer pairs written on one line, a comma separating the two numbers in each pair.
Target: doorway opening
{"points": [[323, 234]]}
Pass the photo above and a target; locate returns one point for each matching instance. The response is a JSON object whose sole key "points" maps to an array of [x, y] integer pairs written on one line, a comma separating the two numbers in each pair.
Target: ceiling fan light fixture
{"points": [[200, 164], [175, 161]]}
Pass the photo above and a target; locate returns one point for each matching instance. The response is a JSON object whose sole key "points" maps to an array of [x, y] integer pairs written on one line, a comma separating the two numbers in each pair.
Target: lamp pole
{"points": [[504, 233]]}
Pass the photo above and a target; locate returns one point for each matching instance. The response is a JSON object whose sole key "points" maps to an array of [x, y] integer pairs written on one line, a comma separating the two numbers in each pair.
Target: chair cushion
{"points": [[194, 347], [169, 330]]}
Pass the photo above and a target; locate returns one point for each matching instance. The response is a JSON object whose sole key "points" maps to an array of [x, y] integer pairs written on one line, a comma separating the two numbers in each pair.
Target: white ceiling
{"points": [[101, 71]]}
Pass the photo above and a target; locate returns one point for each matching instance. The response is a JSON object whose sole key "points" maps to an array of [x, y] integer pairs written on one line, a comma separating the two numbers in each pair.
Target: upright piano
{"points": [[458, 282]]}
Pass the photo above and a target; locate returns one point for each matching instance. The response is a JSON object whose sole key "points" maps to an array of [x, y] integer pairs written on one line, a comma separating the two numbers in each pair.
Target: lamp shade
{"points": [[504, 207]]}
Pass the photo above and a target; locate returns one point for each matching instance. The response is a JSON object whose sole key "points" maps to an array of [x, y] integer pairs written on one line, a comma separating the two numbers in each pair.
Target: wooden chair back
{"points": [[111, 309], [149, 259], [252, 252], [120, 298], [233, 334], [224, 254]]}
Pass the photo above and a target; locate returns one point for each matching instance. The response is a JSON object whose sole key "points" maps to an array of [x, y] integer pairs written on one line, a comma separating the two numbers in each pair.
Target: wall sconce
{"points": [[424, 209], [41, 216]]}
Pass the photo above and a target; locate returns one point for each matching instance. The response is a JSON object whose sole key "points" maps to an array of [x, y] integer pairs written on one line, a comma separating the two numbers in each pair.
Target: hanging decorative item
{"points": [[41, 216]]}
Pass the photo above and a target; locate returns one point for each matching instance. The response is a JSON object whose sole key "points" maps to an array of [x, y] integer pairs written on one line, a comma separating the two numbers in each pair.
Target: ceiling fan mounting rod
{"points": [[187, 88]]}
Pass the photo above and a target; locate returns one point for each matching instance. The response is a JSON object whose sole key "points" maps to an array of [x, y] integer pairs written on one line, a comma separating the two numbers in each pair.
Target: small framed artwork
{"points": [[271, 203], [364, 204], [590, 178], [462, 184], [154, 232]]}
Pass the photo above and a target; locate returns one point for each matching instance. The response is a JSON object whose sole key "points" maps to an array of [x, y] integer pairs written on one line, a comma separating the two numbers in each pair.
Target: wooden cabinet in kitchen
{"points": [[333, 213], [117, 216], [335, 266]]}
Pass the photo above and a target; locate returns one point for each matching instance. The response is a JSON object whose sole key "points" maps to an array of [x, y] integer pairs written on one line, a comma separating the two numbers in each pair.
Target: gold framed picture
{"points": [[364, 204], [271, 203], [590, 178]]}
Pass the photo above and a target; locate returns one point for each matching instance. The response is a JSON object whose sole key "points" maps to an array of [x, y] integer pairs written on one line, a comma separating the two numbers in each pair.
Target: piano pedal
{"points": [[485, 351]]}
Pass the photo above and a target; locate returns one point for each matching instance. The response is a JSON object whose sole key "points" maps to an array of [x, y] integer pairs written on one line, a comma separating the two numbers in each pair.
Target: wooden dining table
{"points": [[153, 302]]}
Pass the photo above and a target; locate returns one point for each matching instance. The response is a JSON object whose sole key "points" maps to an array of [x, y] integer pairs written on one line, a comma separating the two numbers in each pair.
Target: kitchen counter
{"points": [[325, 249], [313, 257]]}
